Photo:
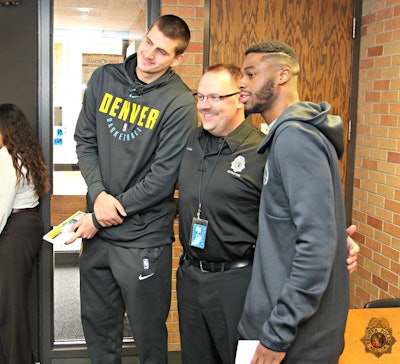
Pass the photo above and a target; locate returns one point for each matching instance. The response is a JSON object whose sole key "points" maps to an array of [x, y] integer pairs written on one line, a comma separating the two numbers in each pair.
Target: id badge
{"points": [[199, 231]]}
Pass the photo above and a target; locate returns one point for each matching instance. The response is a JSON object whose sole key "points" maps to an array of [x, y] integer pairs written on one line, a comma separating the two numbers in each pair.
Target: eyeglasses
{"points": [[212, 97]]}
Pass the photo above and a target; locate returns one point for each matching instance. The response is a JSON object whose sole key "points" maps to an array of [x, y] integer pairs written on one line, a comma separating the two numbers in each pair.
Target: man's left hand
{"points": [[264, 355], [352, 249]]}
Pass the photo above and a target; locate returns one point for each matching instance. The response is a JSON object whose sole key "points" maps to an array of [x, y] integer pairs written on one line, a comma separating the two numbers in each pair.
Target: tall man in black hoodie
{"points": [[130, 136]]}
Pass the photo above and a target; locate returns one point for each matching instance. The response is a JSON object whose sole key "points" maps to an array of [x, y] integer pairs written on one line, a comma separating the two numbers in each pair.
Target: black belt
{"points": [[213, 267], [14, 211]]}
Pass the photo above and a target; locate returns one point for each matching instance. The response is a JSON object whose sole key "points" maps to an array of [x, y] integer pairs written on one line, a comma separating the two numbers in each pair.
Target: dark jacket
{"points": [[298, 297], [130, 141]]}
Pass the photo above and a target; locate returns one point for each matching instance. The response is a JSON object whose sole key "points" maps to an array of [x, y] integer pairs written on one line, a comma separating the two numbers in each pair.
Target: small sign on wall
{"points": [[92, 61], [9, 3], [58, 136]]}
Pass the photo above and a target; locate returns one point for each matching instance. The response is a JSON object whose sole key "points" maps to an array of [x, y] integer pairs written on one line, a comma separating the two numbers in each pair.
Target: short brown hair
{"points": [[233, 70], [174, 27]]}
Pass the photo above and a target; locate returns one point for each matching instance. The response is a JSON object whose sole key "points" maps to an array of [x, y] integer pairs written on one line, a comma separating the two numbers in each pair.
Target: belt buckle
{"points": [[201, 267]]}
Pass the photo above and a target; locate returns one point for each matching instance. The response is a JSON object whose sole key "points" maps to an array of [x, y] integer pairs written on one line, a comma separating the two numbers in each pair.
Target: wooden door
{"points": [[320, 31]]}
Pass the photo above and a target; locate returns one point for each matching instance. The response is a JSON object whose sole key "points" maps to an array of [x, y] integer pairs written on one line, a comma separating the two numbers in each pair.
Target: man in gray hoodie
{"points": [[298, 296]]}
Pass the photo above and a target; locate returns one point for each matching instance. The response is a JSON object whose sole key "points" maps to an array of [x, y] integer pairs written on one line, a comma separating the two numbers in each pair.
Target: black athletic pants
{"points": [[115, 279]]}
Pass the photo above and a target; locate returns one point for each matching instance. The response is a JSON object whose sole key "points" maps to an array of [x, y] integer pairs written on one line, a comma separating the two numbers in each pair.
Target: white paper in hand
{"points": [[245, 351], [60, 234]]}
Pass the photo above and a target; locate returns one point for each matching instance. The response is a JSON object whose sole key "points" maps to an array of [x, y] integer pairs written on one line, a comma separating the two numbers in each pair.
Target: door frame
{"points": [[50, 352], [351, 137]]}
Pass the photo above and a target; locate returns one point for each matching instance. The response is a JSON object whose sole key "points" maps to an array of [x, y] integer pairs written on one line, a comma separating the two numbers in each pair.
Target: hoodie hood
{"points": [[331, 126], [130, 64]]}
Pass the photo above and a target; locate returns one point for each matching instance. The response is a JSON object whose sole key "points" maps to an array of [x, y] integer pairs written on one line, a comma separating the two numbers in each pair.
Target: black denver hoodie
{"points": [[130, 142]]}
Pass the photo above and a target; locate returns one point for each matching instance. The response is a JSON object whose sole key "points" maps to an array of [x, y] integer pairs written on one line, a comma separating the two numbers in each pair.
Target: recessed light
{"points": [[83, 10]]}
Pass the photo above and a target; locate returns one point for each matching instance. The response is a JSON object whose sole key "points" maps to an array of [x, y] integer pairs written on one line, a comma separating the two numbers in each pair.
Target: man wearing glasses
{"points": [[219, 190], [219, 183]]}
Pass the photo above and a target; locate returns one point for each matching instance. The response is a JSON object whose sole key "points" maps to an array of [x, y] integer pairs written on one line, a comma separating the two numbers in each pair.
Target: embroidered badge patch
{"points": [[238, 164], [378, 338]]}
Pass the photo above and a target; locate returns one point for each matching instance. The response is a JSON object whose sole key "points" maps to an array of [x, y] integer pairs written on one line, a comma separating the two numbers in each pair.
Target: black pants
{"points": [[210, 306], [20, 242], [115, 279]]}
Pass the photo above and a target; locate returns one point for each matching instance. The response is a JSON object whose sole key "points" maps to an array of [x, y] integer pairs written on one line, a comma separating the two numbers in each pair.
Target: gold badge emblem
{"points": [[378, 338]]}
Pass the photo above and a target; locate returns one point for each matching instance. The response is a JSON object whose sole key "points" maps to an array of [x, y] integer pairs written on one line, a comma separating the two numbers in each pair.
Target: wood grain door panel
{"points": [[320, 31]]}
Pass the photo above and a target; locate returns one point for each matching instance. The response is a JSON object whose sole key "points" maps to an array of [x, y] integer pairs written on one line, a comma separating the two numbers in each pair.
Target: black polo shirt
{"points": [[226, 174]]}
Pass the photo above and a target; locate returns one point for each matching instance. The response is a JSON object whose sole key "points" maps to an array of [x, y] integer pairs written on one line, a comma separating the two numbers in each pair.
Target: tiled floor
{"points": [[67, 319]]}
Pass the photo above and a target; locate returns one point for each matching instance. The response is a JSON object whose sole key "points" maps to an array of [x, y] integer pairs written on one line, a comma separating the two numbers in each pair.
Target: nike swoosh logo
{"points": [[141, 278]]}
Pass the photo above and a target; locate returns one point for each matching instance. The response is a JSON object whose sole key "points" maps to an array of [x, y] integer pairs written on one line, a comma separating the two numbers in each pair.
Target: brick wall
{"points": [[192, 11], [191, 69], [376, 200]]}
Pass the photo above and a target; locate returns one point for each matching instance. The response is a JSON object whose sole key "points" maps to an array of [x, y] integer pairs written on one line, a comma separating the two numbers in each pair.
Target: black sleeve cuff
{"points": [[95, 222]]}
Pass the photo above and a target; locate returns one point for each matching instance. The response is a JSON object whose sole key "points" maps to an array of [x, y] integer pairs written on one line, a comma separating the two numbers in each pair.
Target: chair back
{"points": [[383, 303]]}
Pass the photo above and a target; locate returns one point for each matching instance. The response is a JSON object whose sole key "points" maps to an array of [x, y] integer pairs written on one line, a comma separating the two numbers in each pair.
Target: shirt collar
{"points": [[236, 137]]}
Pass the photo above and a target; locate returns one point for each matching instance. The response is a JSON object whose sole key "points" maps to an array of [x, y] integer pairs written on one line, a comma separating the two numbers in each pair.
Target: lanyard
{"points": [[201, 195]]}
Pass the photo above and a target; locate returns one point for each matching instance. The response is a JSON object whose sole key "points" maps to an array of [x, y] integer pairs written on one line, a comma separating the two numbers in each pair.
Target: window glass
{"points": [[87, 34]]}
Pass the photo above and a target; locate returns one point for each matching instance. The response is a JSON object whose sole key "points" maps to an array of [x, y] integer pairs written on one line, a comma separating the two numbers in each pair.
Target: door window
{"points": [[86, 35]]}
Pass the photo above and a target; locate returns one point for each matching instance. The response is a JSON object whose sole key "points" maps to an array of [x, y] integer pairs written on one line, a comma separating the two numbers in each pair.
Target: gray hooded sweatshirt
{"points": [[298, 297]]}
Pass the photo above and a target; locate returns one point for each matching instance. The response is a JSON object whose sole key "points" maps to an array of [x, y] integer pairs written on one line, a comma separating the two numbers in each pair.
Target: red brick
{"points": [[381, 84], [393, 157], [376, 223], [392, 254], [375, 51], [368, 19], [372, 96], [390, 277], [370, 164], [384, 14], [392, 205]]}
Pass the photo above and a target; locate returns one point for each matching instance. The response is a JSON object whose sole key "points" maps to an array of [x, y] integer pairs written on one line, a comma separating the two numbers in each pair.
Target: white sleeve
{"points": [[8, 186]]}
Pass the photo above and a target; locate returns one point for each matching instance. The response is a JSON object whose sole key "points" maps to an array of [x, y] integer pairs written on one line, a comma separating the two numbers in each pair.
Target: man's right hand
{"points": [[108, 210], [83, 228]]}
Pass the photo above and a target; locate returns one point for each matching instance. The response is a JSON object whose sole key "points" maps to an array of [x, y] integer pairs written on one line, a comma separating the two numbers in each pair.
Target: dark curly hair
{"points": [[23, 147]]}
